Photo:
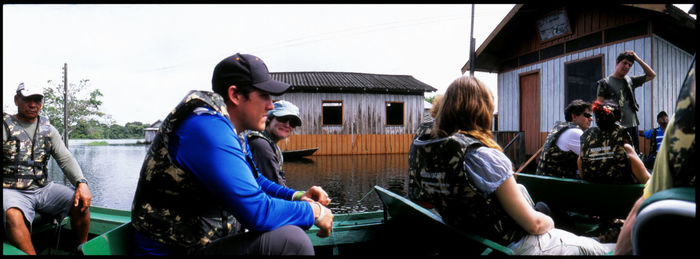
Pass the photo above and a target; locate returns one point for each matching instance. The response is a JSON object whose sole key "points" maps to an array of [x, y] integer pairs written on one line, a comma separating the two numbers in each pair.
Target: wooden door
{"points": [[530, 111]]}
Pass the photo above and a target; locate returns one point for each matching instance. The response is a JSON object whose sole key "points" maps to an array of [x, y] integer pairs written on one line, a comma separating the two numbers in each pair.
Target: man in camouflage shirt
{"points": [[29, 140]]}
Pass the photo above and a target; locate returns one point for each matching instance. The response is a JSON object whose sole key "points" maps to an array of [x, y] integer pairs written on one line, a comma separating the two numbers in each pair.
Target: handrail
{"points": [[517, 136]]}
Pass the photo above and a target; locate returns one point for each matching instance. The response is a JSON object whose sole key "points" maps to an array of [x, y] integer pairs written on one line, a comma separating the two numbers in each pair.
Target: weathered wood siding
{"points": [[671, 65], [349, 144], [669, 62], [584, 20], [362, 113]]}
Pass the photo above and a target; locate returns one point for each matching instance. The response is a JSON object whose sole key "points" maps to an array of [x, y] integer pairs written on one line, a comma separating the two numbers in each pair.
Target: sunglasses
{"points": [[587, 115], [284, 119]]}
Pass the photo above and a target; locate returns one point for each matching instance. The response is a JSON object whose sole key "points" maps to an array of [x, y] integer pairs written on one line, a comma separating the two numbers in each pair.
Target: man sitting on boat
{"points": [[199, 189], [280, 124], [29, 140], [463, 172], [607, 155], [563, 144]]}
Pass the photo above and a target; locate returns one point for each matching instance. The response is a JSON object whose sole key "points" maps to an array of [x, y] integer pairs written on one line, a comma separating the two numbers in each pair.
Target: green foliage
{"points": [[93, 129], [85, 120], [80, 109], [98, 143]]}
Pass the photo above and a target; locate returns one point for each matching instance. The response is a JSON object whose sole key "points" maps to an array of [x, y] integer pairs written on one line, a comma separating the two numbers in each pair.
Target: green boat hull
{"points": [[110, 234], [599, 199], [102, 220]]}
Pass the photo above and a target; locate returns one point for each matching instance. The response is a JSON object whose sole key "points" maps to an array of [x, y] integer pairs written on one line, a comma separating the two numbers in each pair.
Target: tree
{"points": [[81, 109]]}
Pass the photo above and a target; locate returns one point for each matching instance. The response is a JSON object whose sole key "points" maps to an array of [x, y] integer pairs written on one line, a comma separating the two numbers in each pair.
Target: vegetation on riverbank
{"points": [[98, 143]]}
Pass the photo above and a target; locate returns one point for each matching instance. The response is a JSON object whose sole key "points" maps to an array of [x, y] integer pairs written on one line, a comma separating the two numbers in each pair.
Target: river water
{"points": [[113, 171]]}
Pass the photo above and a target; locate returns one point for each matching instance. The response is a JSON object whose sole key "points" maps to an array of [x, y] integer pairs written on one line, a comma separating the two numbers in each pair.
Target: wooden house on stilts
{"points": [[547, 55], [346, 113]]}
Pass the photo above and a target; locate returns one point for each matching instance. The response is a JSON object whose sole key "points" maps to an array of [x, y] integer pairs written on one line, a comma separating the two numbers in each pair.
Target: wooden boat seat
{"points": [[666, 223], [114, 242], [610, 200], [428, 229]]}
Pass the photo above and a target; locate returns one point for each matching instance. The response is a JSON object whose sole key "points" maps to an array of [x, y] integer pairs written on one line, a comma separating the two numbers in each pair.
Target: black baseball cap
{"points": [[245, 69]]}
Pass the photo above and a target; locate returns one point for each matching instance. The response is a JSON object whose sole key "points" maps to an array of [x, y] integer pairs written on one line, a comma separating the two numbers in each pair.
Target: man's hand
{"points": [[323, 219], [316, 193], [82, 197]]}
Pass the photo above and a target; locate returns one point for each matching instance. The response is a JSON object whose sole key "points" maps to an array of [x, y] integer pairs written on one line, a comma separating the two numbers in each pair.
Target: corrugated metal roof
{"points": [[351, 82]]}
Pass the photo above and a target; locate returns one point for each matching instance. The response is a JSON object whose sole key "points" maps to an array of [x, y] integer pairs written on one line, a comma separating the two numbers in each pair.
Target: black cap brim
{"points": [[272, 86]]}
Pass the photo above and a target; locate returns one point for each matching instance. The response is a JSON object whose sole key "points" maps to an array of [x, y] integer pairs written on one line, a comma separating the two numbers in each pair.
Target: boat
{"points": [[298, 153], [580, 196], [401, 228], [110, 234], [51, 236], [419, 231]]}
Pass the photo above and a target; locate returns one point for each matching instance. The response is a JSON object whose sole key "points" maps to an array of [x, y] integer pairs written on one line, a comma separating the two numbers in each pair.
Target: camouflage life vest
{"points": [[251, 134], [553, 160], [603, 156], [681, 137], [170, 204], [437, 174], [424, 128], [25, 160]]}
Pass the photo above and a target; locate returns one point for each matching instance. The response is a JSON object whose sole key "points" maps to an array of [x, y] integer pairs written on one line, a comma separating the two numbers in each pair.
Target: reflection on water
{"points": [[349, 179], [112, 172]]}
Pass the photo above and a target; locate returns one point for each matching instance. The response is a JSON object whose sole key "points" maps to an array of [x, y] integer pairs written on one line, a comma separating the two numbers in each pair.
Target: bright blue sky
{"points": [[144, 58]]}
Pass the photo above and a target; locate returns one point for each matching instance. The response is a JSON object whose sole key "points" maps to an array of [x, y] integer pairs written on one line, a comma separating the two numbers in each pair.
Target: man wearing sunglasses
{"points": [[563, 144], [280, 124]]}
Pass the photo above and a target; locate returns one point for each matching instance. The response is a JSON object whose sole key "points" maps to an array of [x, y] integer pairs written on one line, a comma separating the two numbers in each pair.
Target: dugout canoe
{"points": [[299, 153]]}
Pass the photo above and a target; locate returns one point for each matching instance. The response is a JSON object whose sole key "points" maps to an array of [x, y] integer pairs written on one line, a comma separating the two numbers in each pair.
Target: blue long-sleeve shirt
{"points": [[207, 146]]}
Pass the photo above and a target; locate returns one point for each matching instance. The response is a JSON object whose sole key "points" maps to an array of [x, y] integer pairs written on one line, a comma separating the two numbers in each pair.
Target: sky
{"points": [[145, 58]]}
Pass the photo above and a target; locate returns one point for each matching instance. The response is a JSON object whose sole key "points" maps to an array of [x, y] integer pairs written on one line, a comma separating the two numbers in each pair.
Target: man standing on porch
{"points": [[619, 87]]}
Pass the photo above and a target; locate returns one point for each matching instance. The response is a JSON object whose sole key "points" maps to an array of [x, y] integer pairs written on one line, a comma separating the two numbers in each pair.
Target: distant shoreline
{"points": [[105, 142]]}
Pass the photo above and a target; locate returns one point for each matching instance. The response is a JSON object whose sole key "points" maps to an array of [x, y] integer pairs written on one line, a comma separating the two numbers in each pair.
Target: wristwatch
{"points": [[80, 181]]}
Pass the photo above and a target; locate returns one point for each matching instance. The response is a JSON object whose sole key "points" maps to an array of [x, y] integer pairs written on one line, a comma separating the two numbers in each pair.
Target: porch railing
{"points": [[513, 144]]}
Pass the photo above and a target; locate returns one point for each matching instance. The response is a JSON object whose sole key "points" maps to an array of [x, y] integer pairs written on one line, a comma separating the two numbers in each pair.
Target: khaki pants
{"points": [[560, 242]]}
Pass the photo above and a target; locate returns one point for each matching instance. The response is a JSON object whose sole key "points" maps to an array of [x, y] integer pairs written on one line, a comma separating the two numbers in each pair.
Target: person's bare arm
{"points": [[638, 169], [519, 209], [578, 164], [624, 239], [650, 74]]}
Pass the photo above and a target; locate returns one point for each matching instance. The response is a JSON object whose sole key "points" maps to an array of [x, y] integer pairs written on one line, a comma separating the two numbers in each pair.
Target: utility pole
{"points": [[65, 104], [472, 42]]}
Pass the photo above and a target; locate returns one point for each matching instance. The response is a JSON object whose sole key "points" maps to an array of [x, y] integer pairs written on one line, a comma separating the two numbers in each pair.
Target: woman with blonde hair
{"points": [[464, 174]]}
